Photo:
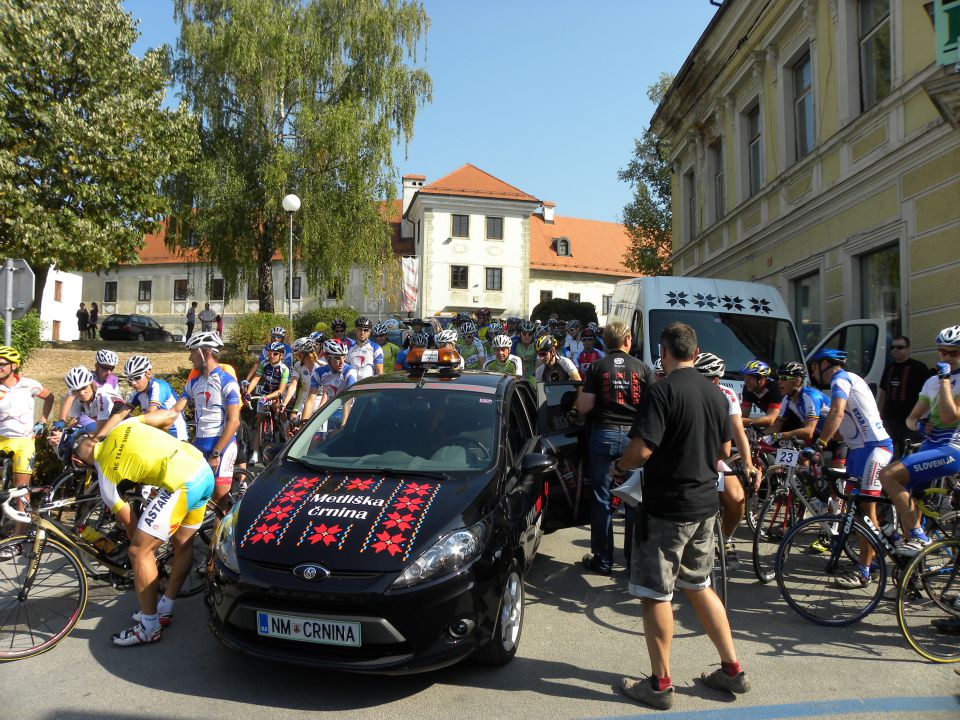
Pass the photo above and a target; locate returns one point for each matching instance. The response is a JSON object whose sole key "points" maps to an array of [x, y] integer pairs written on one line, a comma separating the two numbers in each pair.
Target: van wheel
{"points": [[506, 634]]}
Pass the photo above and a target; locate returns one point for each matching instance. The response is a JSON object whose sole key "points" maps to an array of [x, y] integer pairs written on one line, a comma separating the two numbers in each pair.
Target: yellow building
{"points": [[807, 154]]}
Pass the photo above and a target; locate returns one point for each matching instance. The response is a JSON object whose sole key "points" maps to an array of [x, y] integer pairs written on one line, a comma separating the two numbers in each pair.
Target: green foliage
{"points": [[648, 217], [306, 322], [46, 464], [252, 329], [303, 96], [25, 334], [84, 140], [565, 309], [177, 379]]}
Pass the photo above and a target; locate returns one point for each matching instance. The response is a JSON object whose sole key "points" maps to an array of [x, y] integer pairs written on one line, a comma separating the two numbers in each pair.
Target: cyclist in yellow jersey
{"points": [[139, 450]]}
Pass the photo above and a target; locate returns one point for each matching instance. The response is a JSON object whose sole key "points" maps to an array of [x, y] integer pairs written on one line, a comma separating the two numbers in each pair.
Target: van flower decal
{"points": [[677, 298], [760, 305], [732, 303], [709, 300]]}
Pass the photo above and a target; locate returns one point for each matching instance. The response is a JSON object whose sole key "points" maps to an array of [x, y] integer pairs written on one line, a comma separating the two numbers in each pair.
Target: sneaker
{"points": [[733, 562], [137, 635], [642, 691], [852, 580], [165, 618], [719, 680], [593, 564], [10, 551], [912, 546], [254, 458], [818, 546]]}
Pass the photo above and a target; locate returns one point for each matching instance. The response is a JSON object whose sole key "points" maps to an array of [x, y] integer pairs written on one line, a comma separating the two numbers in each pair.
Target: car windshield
{"points": [[427, 429], [735, 338]]}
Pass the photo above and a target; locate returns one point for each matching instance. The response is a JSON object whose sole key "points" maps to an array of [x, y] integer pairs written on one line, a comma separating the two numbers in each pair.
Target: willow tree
{"points": [[303, 96]]}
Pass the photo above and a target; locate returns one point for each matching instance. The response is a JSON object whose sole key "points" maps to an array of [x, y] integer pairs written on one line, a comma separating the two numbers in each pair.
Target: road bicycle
{"points": [[44, 586], [928, 602]]}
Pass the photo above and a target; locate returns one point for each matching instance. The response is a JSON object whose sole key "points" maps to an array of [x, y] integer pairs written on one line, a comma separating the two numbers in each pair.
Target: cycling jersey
{"points": [[17, 407], [334, 383], [273, 376], [733, 403], [390, 352], [511, 366], [861, 419], [211, 395], [223, 366], [767, 398], [572, 348], [308, 383], [527, 355], [474, 356], [809, 405], [586, 357], [930, 393], [400, 362], [88, 414], [562, 369], [287, 355], [158, 394], [364, 357]]}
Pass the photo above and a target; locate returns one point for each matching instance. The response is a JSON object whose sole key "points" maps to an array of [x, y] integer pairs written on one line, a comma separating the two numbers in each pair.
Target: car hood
{"points": [[350, 521]]}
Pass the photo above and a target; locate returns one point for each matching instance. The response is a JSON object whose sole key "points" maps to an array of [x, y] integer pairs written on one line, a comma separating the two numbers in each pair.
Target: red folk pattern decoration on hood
{"points": [[277, 515]]}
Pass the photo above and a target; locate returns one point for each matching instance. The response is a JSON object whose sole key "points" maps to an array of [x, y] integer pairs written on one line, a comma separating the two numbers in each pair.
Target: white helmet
{"points": [[205, 340], [709, 365], [446, 336], [136, 365], [107, 357], [468, 328], [949, 336], [335, 347], [304, 345], [380, 329], [502, 341], [658, 366], [78, 378], [419, 339], [494, 329]]}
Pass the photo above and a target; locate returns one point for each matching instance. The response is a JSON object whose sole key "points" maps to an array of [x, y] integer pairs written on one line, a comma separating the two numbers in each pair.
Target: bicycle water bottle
{"points": [[98, 539]]}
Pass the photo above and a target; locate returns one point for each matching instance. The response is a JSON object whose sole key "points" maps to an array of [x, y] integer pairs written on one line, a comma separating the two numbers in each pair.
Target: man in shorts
{"points": [[681, 430], [140, 451]]}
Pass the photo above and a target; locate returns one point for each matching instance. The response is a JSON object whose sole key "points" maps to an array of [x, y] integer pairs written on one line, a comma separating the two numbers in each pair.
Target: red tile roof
{"points": [[470, 181], [595, 247]]}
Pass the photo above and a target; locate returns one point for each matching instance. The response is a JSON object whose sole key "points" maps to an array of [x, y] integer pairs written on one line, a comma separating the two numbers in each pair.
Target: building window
{"points": [[874, 36], [110, 291], [180, 289], [607, 301], [563, 247], [880, 288], [494, 228], [216, 289], [144, 291], [754, 150], [690, 205], [296, 288], [806, 310], [461, 226], [191, 239], [58, 291], [573, 297], [546, 295], [335, 291], [459, 276], [494, 278], [803, 107], [252, 291], [56, 329], [716, 167]]}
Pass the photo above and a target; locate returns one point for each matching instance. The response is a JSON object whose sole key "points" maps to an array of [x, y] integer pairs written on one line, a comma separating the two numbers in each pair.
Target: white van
{"points": [[738, 321]]}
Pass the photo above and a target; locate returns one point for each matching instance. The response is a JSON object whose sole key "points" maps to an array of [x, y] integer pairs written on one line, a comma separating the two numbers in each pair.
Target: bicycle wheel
{"points": [[196, 578], [33, 621], [779, 513], [242, 479], [808, 580], [928, 602]]}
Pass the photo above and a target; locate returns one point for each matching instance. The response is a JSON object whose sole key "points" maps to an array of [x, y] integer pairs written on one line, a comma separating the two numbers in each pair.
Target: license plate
{"points": [[787, 457], [307, 629]]}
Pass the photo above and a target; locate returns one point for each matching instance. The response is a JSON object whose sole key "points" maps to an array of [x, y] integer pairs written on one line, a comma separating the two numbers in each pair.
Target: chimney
{"points": [[546, 209], [411, 184]]}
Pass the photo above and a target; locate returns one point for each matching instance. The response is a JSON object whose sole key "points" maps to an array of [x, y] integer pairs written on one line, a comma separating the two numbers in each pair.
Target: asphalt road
{"points": [[581, 635]]}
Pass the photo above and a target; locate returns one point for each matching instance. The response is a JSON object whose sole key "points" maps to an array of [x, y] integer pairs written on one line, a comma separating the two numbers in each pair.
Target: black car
{"points": [[394, 532], [132, 327]]}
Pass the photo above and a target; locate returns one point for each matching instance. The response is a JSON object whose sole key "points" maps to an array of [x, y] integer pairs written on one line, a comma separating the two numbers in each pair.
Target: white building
{"points": [[61, 299]]}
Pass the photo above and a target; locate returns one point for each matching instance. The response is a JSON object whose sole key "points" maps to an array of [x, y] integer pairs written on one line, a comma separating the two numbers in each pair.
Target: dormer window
{"points": [[563, 246]]}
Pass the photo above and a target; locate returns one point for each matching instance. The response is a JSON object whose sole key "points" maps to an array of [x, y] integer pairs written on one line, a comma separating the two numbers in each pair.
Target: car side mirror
{"points": [[271, 451], [537, 463]]}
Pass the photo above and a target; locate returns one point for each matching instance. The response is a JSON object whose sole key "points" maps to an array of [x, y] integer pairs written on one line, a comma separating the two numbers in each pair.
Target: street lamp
{"points": [[291, 203]]}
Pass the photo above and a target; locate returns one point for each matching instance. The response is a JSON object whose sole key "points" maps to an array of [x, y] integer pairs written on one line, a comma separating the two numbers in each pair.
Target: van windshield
{"points": [[734, 337]]}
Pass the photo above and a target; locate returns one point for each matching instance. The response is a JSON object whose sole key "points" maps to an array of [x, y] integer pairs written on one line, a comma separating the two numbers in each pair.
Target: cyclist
{"points": [[589, 354], [732, 499], [277, 335], [104, 363], [759, 389], [152, 394], [272, 377], [803, 409], [92, 403], [493, 329], [338, 330], [598, 336], [304, 382], [136, 450], [17, 428], [470, 347], [572, 344], [658, 372], [415, 340], [416, 326], [215, 396], [389, 349], [854, 413], [503, 361], [553, 367], [447, 339], [338, 374], [365, 355], [483, 323], [512, 327], [939, 454], [526, 349]]}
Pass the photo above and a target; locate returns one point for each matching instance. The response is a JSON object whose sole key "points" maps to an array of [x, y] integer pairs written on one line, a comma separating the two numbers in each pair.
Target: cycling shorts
{"points": [[182, 508], [24, 453], [228, 458], [925, 466], [243, 444], [866, 463]]}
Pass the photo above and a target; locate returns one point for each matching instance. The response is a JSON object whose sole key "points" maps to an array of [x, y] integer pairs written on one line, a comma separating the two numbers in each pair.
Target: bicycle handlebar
{"points": [[16, 515]]}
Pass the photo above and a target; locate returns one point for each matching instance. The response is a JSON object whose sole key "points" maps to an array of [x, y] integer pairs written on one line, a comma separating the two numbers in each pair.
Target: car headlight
{"points": [[447, 555], [224, 542]]}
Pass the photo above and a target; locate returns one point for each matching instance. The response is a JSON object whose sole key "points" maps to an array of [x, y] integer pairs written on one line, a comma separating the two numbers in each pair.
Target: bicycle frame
{"points": [[853, 514]]}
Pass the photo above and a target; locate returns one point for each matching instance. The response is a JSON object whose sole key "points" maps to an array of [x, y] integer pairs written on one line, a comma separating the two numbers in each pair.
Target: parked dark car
{"points": [[394, 532], [132, 327]]}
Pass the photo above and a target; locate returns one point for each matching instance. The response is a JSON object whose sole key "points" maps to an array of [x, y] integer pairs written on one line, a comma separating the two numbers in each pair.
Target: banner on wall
{"points": [[411, 283]]}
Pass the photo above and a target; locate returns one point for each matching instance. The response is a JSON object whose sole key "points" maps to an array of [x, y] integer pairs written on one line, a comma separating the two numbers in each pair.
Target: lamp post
{"points": [[291, 203]]}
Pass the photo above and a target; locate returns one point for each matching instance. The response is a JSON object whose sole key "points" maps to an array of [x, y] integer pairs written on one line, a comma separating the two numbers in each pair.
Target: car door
{"points": [[568, 489], [865, 343], [525, 495]]}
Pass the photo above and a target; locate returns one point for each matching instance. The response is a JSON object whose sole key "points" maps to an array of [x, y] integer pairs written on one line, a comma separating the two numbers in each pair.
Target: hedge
{"points": [[25, 334], [585, 312], [307, 322]]}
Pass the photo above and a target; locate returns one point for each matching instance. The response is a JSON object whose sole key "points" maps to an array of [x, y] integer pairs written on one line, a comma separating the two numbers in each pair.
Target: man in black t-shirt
{"points": [[611, 396], [683, 428], [900, 387]]}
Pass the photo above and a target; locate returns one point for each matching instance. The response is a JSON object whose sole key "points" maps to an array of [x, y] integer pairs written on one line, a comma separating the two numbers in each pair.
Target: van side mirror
{"points": [[537, 463]]}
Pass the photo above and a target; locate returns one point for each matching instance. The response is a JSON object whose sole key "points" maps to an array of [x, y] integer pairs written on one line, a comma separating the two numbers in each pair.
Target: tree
{"points": [[648, 216], [84, 141], [585, 312], [295, 96]]}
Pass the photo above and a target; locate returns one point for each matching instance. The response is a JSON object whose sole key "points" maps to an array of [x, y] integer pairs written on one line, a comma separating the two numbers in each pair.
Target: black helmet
{"points": [[791, 370], [362, 322], [338, 324], [547, 343]]}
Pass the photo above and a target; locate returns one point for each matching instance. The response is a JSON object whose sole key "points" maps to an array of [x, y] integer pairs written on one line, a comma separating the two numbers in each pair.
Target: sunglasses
{"points": [[106, 367], [132, 379], [948, 353], [898, 347], [543, 354]]}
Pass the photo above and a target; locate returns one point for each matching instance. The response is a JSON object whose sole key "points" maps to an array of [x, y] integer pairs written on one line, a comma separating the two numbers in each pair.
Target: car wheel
{"points": [[140, 337], [506, 634]]}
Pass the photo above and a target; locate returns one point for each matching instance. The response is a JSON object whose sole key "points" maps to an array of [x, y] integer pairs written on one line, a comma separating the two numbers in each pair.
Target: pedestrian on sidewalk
{"points": [[83, 319], [191, 318], [92, 324], [207, 317]]}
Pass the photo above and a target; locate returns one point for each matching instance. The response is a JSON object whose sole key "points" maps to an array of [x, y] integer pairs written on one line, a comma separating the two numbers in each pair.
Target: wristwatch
{"points": [[215, 454]]}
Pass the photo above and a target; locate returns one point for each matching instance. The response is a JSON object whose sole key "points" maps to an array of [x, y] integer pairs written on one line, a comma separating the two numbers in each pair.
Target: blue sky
{"points": [[548, 95]]}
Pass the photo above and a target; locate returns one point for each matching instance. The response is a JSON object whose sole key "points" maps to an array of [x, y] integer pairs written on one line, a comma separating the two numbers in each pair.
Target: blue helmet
{"points": [[277, 347], [755, 367], [837, 357]]}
